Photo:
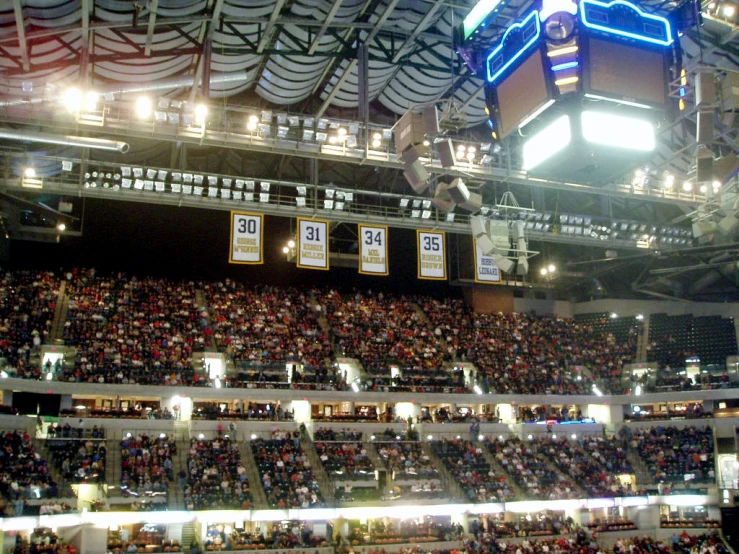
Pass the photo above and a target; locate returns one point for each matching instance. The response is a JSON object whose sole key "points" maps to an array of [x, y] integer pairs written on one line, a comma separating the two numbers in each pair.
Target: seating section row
{"points": [[145, 331]]}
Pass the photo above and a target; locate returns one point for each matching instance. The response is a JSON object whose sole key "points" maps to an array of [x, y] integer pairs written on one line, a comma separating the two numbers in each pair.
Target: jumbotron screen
{"points": [[627, 73], [521, 94]]}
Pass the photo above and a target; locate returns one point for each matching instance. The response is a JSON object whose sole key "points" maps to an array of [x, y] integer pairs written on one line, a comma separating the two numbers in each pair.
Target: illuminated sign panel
{"points": [[517, 39], [626, 20], [477, 15]]}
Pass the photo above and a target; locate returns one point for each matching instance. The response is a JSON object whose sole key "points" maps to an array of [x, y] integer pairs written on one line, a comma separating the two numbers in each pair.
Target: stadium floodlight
{"points": [[322, 124], [282, 131], [226, 182], [403, 202], [264, 197], [339, 206], [349, 196], [212, 192], [248, 197], [351, 141], [618, 131], [281, 118], [197, 179], [138, 184], [237, 194], [425, 214], [212, 181], [330, 193], [266, 116], [321, 137], [226, 193], [176, 188], [138, 172], [547, 142], [426, 204], [293, 120], [187, 177], [143, 107], [176, 177], [197, 191], [450, 217], [151, 173], [239, 184], [186, 189], [300, 202], [264, 129], [249, 185], [251, 123], [309, 122], [264, 186], [328, 204], [126, 183], [416, 213], [301, 190], [308, 134], [159, 186]]}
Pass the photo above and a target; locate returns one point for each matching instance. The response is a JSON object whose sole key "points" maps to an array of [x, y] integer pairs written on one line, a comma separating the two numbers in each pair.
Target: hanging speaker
{"points": [[431, 121], [704, 165], [446, 153], [705, 89], [411, 154], [470, 201], [705, 127], [417, 176], [505, 264], [485, 244], [477, 225], [728, 224], [441, 199], [523, 266]]}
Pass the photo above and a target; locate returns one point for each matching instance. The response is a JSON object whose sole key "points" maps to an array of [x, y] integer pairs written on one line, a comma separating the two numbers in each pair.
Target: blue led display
{"points": [[563, 66], [493, 74], [645, 27]]}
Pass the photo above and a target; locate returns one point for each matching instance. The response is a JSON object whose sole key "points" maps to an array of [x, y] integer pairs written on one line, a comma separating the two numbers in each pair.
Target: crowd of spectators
{"points": [[406, 460], [383, 331], [287, 476], [132, 331], [488, 543], [27, 304], [328, 434], [265, 324], [345, 460], [79, 460], [466, 461], [146, 462], [23, 472], [671, 453], [217, 477], [530, 472], [572, 460], [609, 452]]}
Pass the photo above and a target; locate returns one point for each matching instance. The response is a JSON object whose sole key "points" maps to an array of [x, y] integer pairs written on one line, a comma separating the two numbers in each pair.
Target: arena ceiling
{"points": [[288, 61]]}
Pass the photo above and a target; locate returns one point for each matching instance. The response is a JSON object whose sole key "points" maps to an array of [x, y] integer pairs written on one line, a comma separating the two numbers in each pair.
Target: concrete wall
{"points": [[625, 307]]}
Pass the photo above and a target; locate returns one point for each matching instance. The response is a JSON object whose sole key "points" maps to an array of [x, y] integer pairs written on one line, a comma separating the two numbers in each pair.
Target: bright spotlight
{"points": [[618, 131], [29, 172], [729, 10], [291, 243], [252, 122], [552, 268], [201, 111], [72, 99], [143, 107], [285, 250], [547, 142], [687, 186], [61, 227], [543, 271]]}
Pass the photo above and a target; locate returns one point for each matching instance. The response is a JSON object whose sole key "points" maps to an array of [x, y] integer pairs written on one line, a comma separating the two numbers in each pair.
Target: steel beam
{"points": [[20, 26], [322, 31], [153, 7]]}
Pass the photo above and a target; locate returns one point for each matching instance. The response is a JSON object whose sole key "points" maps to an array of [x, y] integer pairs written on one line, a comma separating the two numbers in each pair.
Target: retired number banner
{"points": [[431, 255], [247, 232], [486, 270], [373, 250], [313, 243]]}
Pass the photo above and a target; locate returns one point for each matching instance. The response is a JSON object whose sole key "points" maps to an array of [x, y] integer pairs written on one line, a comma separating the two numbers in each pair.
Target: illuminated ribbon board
{"points": [[530, 26], [654, 28]]}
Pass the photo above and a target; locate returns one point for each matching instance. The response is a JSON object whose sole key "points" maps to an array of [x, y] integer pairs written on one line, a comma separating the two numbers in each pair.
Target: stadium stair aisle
{"points": [[374, 457], [202, 305], [181, 433], [580, 491], [188, 535], [259, 497], [65, 489], [643, 476], [447, 480], [56, 336], [325, 485], [643, 342]]}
